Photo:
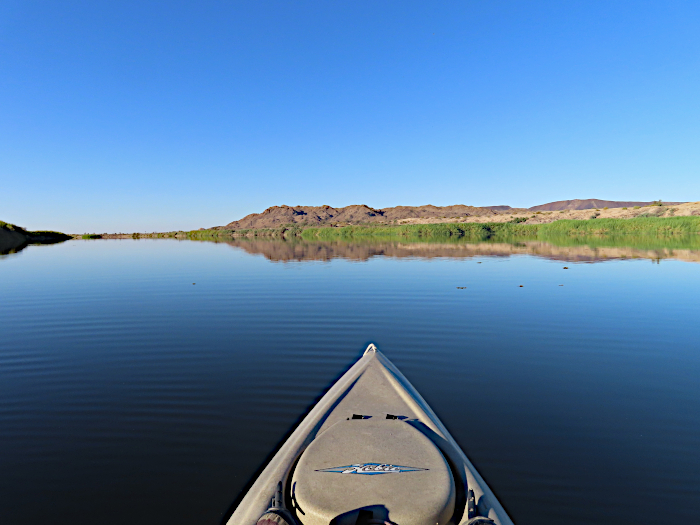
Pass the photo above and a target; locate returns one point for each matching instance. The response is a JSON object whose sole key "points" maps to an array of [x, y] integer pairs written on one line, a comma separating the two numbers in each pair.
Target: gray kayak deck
{"points": [[373, 386]]}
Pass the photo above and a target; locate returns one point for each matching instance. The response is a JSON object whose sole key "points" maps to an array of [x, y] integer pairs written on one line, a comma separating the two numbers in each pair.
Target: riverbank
{"points": [[642, 226], [13, 238]]}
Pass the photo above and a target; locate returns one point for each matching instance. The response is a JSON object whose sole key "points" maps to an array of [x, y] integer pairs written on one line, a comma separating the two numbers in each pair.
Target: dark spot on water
{"points": [[566, 267]]}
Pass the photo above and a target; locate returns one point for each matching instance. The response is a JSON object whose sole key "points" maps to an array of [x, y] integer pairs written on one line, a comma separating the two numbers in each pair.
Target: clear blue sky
{"points": [[143, 116]]}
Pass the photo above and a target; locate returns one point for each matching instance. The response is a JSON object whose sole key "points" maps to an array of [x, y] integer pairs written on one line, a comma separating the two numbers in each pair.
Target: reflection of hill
{"points": [[283, 251]]}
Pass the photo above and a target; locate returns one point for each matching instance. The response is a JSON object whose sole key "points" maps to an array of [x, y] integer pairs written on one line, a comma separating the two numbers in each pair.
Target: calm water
{"points": [[128, 394]]}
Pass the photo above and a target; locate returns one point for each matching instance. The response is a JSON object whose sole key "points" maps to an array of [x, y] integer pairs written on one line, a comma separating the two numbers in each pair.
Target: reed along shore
{"points": [[649, 228]]}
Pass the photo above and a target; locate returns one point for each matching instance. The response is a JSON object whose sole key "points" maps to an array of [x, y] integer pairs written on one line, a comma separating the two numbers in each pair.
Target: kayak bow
{"points": [[370, 452]]}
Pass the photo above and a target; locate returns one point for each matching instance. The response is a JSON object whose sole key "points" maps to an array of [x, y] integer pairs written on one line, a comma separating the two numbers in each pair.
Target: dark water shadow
{"points": [[13, 242]]}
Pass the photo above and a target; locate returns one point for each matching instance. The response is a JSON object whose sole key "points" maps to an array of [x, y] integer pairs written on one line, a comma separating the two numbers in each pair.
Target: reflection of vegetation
{"points": [[640, 242], [573, 249]]}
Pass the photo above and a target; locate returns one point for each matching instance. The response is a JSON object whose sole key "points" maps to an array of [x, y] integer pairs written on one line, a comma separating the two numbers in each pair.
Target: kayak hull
{"points": [[372, 387]]}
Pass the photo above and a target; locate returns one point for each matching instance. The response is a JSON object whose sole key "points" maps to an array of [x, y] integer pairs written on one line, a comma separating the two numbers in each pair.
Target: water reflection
{"points": [[564, 249], [131, 394], [11, 244], [284, 251]]}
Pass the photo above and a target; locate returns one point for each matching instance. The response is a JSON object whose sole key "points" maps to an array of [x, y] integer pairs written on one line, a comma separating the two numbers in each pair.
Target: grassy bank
{"points": [[652, 226], [40, 234], [643, 226], [468, 231], [213, 235], [563, 231]]}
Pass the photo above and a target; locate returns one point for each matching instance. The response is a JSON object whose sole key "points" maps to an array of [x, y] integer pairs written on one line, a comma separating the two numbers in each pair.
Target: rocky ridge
{"points": [[308, 216], [278, 216]]}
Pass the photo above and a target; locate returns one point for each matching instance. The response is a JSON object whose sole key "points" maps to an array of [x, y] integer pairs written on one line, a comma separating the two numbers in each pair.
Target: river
{"points": [[146, 381]]}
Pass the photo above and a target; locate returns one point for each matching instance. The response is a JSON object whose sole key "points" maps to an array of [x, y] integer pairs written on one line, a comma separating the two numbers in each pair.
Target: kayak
{"points": [[370, 452]]}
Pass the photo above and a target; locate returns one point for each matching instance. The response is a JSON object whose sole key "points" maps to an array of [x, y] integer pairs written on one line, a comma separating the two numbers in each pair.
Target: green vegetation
{"points": [[39, 233], [91, 236], [644, 226], [639, 242], [471, 231], [652, 226], [208, 235], [466, 231], [648, 233], [13, 228]]}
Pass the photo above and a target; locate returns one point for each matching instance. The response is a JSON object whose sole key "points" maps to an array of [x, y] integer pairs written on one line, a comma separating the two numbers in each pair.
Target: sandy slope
{"points": [[688, 208], [278, 216]]}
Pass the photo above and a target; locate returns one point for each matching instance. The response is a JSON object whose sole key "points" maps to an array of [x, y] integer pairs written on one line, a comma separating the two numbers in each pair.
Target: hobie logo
{"points": [[370, 469]]}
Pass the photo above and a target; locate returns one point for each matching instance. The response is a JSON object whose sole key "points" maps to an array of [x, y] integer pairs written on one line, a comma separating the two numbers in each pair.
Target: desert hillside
{"points": [[589, 204], [278, 216]]}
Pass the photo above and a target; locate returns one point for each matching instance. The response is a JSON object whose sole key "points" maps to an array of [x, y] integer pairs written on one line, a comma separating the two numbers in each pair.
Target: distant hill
{"points": [[13, 238], [588, 204], [278, 216]]}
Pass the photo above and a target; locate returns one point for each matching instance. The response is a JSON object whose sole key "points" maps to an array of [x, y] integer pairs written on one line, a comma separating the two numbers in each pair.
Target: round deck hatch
{"points": [[373, 468]]}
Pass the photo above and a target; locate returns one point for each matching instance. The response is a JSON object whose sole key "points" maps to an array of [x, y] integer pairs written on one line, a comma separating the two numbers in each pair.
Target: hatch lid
{"points": [[383, 466]]}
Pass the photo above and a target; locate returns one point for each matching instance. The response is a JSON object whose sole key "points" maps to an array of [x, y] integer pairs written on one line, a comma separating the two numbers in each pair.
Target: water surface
{"points": [[128, 394]]}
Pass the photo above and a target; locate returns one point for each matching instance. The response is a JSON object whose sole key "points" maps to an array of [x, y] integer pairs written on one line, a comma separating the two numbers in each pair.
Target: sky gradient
{"points": [[153, 116]]}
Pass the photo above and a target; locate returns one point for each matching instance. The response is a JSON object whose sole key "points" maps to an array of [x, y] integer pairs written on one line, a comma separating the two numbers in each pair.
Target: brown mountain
{"points": [[277, 216], [588, 204]]}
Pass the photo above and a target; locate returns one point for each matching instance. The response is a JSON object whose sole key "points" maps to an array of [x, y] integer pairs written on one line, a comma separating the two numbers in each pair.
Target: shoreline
{"points": [[526, 220], [541, 225], [14, 238]]}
